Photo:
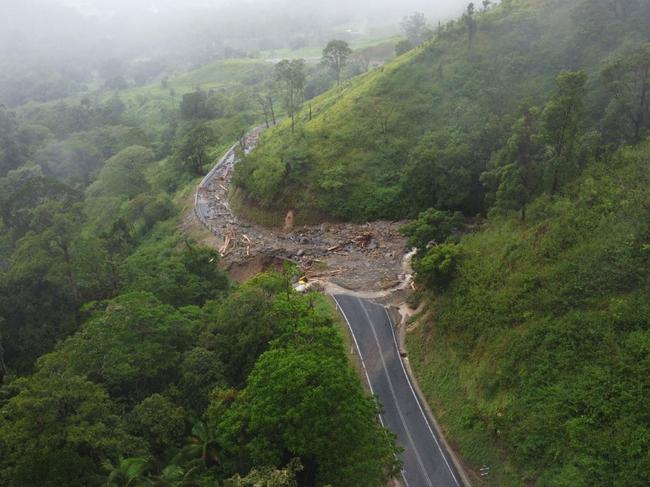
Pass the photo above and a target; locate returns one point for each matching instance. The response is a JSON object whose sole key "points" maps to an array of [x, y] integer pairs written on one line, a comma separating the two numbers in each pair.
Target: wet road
{"points": [[425, 463]]}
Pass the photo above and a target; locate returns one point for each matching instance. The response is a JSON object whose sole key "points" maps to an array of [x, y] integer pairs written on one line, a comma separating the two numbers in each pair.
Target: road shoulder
{"points": [[399, 323]]}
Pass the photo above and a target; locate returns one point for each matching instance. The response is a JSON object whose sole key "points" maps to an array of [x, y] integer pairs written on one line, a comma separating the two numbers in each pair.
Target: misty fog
{"points": [[59, 28], [67, 42]]}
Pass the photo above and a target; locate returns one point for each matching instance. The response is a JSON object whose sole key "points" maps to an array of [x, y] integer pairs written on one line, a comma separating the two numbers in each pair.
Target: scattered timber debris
{"points": [[354, 256]]}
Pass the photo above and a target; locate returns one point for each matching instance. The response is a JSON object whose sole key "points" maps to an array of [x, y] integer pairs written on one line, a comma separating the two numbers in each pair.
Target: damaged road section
{"points": [[355, 257]]}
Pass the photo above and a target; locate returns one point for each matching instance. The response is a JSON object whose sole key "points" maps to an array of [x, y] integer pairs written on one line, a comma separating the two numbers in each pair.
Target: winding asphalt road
{"points": [[425, 462]]}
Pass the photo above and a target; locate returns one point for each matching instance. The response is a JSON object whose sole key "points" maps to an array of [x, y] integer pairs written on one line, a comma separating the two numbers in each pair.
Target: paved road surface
{"points": [[425, 463]]}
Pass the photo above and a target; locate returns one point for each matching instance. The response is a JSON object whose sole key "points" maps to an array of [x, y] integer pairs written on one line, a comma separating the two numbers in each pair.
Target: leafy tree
{"points": [[75, 159], [10, 150], [291, 77], [265, 100], [438, 266], [470, 24], [117, 243], [180, 277], [562, 121], [402, 47], [416, 29], [439, 172], [192, 153], [336, 55], [195, 106], [628, 80], [132, 346], [26, 189], [112, 139], [47, 255], [123, 174], [536, 148], [513, 176], [121, 178], [31, 138], [145, 210], [53, 270], [432, 227], [57, 429], [35, 314], [245, 323], [326, 420], [160, 422], [514, 191], [115, 107], [200, 372]]}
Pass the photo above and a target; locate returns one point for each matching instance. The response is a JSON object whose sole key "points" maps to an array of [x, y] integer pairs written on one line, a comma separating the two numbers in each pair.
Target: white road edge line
{"points": [[392, 393], [356, 344], [363, 363], [417, 399]]}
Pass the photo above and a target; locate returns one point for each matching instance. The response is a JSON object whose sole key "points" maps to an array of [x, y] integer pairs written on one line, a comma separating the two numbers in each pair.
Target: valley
{"points": [[324, 244]]}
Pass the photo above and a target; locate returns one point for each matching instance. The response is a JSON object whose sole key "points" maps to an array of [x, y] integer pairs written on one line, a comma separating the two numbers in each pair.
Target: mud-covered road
{"points": [[355, 257]]}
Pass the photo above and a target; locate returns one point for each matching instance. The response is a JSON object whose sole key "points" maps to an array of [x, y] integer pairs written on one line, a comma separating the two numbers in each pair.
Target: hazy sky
{"points": [[63, 29], [372, 8]]}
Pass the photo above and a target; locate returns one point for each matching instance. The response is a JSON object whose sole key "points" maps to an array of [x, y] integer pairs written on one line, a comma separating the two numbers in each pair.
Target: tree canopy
{"points": [[335, 56]]}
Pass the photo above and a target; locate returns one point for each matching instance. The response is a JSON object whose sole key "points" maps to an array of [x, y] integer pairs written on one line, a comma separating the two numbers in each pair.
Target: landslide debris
{"points": [[365, 257]]}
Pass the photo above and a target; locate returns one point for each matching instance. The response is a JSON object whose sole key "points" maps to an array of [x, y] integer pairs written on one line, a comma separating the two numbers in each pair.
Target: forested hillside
{"points": [[518, 138], [419, 132], [533, 346], [127, 357]]}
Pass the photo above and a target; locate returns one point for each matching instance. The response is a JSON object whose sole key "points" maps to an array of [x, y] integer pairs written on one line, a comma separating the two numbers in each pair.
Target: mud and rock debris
{"points": [[367, 257]]}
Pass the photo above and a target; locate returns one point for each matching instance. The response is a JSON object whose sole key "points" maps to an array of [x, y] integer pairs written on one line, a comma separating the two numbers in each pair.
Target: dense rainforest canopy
{"points": [[127, 356]]}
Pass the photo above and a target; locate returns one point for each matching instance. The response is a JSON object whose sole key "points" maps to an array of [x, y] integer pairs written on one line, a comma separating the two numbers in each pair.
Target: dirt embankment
{"points": [[367, 258]]}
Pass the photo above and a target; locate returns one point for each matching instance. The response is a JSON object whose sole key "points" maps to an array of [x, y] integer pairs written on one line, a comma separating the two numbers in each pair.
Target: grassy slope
{"points": [[266, 176], [537, 358], [147, 102], [315, 52], [148, 105], [270, 175], [353, 159], [150, 108]]}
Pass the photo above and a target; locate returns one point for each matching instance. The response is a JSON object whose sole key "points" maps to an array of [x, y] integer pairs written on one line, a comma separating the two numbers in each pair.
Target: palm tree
{"points": [[202, 446], [129, 472], [174, 476]]}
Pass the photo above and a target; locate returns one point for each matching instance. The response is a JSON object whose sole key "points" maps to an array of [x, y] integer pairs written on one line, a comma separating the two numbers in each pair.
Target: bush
{"points": [[438, 266], [432, 227], [402, 47]]}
